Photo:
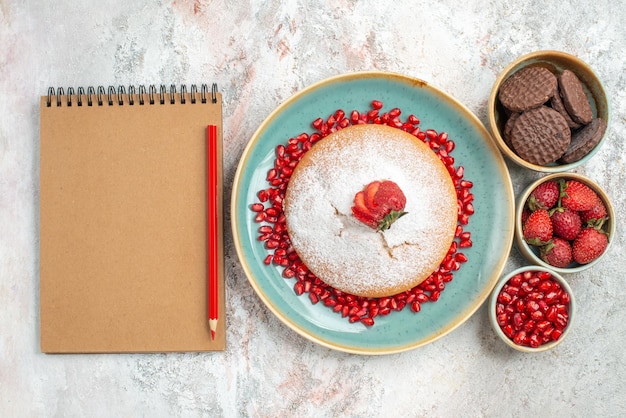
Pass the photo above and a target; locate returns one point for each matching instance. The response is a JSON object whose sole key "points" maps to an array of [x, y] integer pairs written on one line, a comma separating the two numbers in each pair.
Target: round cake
{"points": [[343, 251]]}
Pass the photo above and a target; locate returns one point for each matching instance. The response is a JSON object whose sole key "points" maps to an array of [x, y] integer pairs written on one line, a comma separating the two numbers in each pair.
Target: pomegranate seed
{"points": [[383, 302], [421, 297], [511, 290], [529, 325], [543, 325], [532, 306], [551, 297], [545, 286], [520, 338], [263, 195], [508, 330], [353, 318], [272, 174], [561, 321], [377, 104], [298, 288], [368, 321], [317, 123], [372, 115], [431, 134], [552, 313], [314, 298], [534, 341]]}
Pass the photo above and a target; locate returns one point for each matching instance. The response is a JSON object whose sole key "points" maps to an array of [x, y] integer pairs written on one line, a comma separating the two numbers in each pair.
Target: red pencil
{"points": [[212, 229]]}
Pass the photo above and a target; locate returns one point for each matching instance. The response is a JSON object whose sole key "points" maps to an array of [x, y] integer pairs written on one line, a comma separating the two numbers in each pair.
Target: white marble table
{"points": [[260, 53]]}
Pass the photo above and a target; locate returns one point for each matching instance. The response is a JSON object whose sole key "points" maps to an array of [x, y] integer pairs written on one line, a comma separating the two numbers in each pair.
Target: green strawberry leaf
{"points": [[389, 219]]}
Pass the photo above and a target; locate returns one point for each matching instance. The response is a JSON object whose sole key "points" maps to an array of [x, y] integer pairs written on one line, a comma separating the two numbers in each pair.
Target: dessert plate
{"points": [[491, 225]]}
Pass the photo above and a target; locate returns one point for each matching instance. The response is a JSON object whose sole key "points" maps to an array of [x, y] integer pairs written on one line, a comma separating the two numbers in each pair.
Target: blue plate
{"points": [[491, 225]]}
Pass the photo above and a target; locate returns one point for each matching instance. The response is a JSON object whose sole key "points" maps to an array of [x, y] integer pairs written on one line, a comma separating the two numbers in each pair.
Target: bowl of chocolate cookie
{"points": [[548, 111]]}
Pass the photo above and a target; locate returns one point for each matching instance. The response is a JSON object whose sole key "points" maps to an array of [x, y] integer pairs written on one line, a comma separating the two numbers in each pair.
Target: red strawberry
{"points": [[577, 196], [557, 253], [389, 194], [566, 223], [595, 214], [589, 245], [370, 193], [379, 204], [537, 229], [544, 196], [361, 211]]}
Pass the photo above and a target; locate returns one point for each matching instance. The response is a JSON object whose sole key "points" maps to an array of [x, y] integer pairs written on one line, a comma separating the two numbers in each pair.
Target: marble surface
{"points": [[260, 53]]}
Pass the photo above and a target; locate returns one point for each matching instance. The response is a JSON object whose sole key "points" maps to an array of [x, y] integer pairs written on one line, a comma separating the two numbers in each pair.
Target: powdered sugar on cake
{"points": [[348, 254]]}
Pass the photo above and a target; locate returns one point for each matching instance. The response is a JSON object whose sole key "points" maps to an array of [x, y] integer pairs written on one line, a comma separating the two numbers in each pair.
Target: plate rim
{"points": [[349, 76]]}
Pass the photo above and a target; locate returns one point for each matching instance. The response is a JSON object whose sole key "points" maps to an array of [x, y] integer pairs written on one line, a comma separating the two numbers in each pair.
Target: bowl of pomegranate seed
{"points": [[564, 222], [532, 309], [548, 111]]}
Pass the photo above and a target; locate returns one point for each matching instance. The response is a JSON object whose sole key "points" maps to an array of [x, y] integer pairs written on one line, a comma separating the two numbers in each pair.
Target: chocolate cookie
{"points": [[574, 98], [508, 127], [540, 136], [528, 88], [557, 104], [584, 140]]}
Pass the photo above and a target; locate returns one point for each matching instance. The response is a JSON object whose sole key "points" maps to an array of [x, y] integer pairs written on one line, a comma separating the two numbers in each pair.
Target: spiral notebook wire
{"points": [[121, 96]]}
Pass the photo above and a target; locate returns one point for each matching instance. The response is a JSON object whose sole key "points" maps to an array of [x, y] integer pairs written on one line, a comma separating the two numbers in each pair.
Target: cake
{"points": [[343, 251]]}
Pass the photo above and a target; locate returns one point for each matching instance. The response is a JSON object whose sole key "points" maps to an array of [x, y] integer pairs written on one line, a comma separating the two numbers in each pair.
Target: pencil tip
{"points": [[213, 327]]}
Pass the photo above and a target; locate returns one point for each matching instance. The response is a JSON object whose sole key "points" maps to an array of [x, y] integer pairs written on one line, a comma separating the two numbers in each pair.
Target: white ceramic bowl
{"points": [[531, 253], [502, 285]]}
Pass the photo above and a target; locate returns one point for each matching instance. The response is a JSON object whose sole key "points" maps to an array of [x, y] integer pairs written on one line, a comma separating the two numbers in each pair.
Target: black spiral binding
{"points": [[120, 96]]}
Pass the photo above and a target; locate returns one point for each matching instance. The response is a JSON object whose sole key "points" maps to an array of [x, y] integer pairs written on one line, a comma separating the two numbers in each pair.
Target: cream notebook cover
{"points": [[123, 220]]}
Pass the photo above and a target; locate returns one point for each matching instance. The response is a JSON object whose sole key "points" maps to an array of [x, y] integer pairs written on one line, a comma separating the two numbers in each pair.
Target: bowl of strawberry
{"points": [[564, 222], [532, 309]]}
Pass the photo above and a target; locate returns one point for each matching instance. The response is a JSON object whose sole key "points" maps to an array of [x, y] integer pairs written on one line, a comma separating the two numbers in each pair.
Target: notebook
{"points": [[123, 219]]}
